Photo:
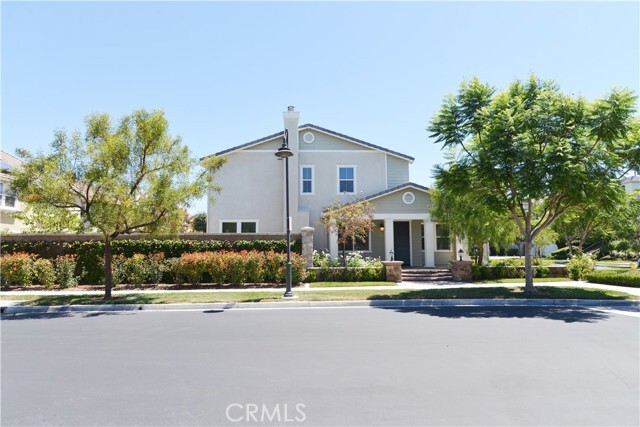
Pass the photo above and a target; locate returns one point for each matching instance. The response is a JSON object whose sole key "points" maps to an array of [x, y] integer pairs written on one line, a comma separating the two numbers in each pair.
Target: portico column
{"points": [[333, 244], [388, 238], [429, 244]]}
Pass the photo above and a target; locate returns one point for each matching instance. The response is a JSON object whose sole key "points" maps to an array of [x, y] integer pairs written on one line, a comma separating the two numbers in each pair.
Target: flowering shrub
{"points": [[17, 269], [236, 267], [358, 269], [65, 267], [44, 272], [580, 265]]}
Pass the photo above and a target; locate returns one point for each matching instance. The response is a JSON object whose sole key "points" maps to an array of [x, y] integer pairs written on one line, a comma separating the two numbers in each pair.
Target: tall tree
{"points": [[351, 221], [200, 222], [534, 152], [124, 178], [475, 222]]}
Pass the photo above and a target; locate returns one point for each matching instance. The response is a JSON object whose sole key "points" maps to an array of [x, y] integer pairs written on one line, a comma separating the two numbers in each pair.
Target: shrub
{"points": [[237, 267], [17, 269], [44, 272], [562, 253], [579, 265], [135, 270], [65, 267], [90, 253], [615, 277]]}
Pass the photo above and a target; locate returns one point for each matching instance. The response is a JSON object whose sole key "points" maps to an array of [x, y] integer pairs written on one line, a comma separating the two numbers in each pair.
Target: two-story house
{"points": [[327, 166], [9, 204]]}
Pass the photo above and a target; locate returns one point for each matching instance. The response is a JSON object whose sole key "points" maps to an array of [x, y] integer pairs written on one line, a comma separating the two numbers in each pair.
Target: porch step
{"points": [[426, 275]]}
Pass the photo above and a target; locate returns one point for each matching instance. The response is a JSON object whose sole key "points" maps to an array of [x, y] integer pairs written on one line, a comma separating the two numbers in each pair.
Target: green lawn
{"points": [[349, 284], [337, 295], [519, 280]]}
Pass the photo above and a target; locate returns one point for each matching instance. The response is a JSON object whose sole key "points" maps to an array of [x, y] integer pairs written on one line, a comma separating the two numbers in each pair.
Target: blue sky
{"points": [[224, 72]]}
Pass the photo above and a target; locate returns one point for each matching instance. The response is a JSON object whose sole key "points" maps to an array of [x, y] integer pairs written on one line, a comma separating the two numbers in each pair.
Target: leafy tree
{"points": [[40, 218], [534, 152], [199, 222], [475, 222], [124, 178], [351, 221]]}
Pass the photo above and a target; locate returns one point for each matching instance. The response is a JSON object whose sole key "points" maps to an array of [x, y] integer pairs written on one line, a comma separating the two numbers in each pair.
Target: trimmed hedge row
{"points": [[350, 274], [484, 272], [615, 277], [22, 269], [89, 254], [237, 267]]}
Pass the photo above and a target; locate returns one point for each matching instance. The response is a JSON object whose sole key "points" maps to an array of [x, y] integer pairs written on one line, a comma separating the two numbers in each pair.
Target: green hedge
{"points": [[494, 272], [351, 274], [615, 277], [90, 266]]}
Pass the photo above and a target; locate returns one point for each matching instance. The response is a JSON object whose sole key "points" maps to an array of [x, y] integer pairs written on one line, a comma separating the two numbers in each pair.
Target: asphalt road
{"points": [[349, 366]]}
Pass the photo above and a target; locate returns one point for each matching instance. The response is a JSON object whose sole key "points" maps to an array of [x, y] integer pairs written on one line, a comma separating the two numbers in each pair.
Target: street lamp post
{"points": [[285, 152]]}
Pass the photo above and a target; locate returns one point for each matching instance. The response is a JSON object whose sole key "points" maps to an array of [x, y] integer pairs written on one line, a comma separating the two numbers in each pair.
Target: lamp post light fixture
{"points": [[392, 253], [285, 152], [460, 252]]}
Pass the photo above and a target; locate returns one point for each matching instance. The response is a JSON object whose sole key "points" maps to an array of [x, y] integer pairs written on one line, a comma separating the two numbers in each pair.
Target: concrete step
{"points": [[428, 279]]}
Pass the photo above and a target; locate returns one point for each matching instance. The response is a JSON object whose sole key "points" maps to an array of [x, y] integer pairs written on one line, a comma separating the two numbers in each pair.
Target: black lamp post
{"points": [[285, 152]]}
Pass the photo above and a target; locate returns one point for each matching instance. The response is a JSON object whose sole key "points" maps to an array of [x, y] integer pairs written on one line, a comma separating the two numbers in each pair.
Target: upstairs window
{"points": [[346, 179], [7, 196], [306, 181]]}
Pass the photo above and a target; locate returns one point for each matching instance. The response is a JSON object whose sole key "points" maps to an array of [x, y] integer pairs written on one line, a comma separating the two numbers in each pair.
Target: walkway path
{"points": [[306, 288]]}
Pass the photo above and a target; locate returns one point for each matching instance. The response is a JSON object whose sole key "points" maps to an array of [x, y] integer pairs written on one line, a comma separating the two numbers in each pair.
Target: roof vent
{"points": [[291, 108]]}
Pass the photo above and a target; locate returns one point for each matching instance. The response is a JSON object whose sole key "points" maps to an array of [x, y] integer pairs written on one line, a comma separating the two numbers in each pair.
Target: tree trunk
{"points": [[569, 241], [528, 270], [107, 268]]}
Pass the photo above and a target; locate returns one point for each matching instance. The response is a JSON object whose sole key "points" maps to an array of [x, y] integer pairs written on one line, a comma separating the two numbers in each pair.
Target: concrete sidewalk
{"points": [[305, 288]]}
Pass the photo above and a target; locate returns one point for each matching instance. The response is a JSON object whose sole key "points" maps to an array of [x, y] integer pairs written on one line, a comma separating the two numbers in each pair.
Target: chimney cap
{"points": [[291, 108]]}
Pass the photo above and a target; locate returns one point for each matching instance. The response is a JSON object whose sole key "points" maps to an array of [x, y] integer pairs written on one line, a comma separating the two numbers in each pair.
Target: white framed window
{"points": [[346, 179], [239, 226], [306, 179], [443, 239], [7, 196], [357, 246]]}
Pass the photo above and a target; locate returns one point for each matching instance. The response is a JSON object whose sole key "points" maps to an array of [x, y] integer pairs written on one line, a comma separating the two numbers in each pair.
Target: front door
{"points": [[402, 243]]}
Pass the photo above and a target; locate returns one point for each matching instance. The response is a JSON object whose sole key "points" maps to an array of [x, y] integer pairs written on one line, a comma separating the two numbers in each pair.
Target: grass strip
{"points": [[346, 295], [349, 284], [521, 280]]}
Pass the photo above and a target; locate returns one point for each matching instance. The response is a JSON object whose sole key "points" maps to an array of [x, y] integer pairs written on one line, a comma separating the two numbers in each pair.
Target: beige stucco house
{"points": [[9, 204], [327, 166]]}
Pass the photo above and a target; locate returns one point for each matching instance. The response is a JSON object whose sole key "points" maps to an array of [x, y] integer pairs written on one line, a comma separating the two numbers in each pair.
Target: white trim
{"points": [[336, 151], [401, 217], [408, 193], [435, 239], [355, 250], [355, 142], [304, 135], [386, 170], [355, 179], [239, 225], [399, 189], [313, 179]]}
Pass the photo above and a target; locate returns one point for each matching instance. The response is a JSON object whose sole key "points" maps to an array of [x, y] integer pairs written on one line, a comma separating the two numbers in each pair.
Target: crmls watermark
{"points": [[252, 412]]}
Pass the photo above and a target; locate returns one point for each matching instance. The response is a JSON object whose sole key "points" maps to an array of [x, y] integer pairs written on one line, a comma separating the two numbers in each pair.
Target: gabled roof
{"points": [[320, 129], [397, 188]]}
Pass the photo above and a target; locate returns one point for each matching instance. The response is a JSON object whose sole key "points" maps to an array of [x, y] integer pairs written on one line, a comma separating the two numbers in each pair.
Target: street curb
{"points": [[324, 304]]}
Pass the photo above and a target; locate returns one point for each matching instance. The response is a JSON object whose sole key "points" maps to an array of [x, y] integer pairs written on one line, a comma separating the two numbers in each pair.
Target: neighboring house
{"points": [[328, 166], [632, 183], [9, 204]]}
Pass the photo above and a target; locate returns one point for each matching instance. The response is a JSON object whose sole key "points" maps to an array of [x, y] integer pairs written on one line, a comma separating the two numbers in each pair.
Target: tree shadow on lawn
{"points": [[565, 314]]}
